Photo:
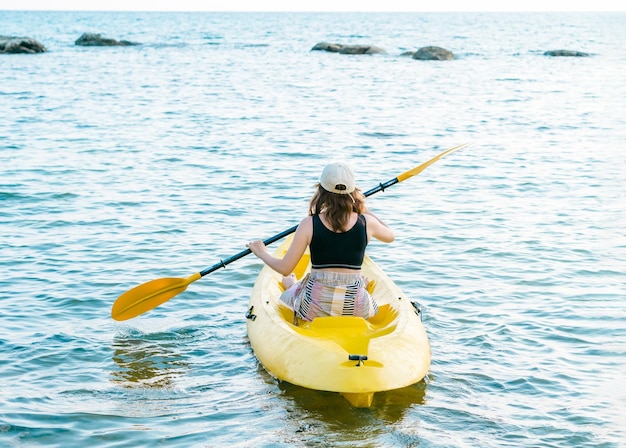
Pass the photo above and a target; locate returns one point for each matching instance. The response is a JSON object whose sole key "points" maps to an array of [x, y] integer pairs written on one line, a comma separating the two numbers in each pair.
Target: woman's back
{"points": [[338, 250]]}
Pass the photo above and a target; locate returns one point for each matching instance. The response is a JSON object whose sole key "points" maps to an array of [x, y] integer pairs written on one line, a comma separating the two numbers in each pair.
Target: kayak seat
{"points": [[350, 332], [385, 316]]}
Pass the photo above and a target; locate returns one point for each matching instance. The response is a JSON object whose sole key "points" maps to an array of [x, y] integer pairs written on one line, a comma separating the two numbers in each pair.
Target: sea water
{"points": [[120, 165]]}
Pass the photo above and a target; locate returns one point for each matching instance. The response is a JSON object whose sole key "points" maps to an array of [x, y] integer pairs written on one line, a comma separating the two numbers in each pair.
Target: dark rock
{"points": [[433, 54], [10, 44], [96, 40], [327, 46], [570, 53], [348, 49], [361, 49]]}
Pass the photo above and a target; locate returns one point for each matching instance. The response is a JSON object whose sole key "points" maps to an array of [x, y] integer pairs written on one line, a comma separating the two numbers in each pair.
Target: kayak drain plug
{"points": [[359, 358]]}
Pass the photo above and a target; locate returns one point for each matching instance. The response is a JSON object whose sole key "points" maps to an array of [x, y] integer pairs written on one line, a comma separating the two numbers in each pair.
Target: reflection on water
{"points": [[388, 405], [147, 361], [326, 418]]}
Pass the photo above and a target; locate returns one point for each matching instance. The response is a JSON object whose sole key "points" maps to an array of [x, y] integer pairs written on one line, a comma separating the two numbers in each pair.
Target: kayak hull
{"points": [[345, 354]]}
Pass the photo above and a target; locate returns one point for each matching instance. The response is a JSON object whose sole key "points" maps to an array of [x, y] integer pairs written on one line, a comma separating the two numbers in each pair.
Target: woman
{"points": [[337, 230]]}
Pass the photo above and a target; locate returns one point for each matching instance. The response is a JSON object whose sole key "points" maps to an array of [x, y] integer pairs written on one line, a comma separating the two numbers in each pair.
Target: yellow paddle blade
{"points": [[149, 295], [423, 166]]}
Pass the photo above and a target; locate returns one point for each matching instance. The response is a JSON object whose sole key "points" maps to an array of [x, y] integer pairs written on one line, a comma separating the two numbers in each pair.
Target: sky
{"points": [[317, 5]]}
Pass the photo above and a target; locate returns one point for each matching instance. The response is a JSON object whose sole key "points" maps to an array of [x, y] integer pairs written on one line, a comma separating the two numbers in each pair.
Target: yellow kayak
{"points": [[345, 354]]}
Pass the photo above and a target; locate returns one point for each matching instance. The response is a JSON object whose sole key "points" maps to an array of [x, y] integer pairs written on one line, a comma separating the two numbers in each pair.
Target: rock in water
{"points": [[96, 40], [11, 44], [347, 49], [433, 54], [570, 53]]}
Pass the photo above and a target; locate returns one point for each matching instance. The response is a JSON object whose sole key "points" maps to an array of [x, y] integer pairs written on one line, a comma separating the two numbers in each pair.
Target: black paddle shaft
{"points": [[281, 235]]}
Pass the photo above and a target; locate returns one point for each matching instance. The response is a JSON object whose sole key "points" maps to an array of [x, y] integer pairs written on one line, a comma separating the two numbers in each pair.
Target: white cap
{"points": [[337, 178]]}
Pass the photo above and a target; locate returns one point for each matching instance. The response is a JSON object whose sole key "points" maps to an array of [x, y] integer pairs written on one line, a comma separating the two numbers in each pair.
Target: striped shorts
{"points": [[324, 293]]}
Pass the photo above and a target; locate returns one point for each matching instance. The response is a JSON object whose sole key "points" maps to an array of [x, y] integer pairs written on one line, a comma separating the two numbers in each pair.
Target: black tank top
{"points": [[338, 250]]}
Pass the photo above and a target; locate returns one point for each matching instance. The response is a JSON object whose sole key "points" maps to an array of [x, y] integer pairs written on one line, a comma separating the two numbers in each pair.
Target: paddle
{"points": [[151, 294]]}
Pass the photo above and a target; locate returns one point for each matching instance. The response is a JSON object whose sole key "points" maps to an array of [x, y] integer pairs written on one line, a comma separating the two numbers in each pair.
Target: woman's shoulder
{"points": [[370, 221], [307, 222]]}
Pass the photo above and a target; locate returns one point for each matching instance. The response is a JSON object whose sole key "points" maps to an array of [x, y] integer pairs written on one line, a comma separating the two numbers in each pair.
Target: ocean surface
{"points": [[121, 165]]}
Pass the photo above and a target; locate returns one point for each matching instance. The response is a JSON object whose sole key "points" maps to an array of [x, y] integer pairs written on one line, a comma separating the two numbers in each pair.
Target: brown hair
{"points": [[336, 207]]}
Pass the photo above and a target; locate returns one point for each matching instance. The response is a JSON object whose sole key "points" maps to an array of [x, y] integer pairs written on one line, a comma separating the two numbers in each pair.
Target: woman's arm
{"points": [[376, 227], [286, 265]]}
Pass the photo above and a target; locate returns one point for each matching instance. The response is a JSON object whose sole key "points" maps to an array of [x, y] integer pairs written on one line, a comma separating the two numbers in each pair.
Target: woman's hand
{"points": [[257, 247], [289, 261]]}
